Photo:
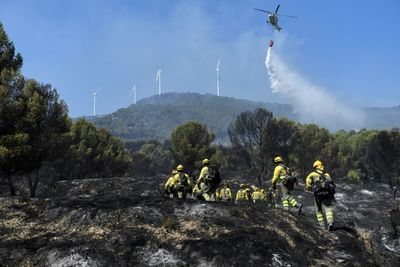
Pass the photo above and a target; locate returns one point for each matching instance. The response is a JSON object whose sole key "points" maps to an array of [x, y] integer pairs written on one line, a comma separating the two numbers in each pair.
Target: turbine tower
{"points": [[133, 92], [158, 80], [94, 102], [218, 70]]}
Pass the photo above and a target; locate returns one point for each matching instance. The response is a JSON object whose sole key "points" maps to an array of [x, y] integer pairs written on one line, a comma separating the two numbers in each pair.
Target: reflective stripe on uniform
{"points": [[293, 202], [285, 203], [320, 217], [329, 215]]}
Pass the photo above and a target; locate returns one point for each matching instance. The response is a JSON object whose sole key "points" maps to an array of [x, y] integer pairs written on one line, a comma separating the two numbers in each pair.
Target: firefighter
{"points": [[323, 187], [179, 184], [207, 182], [225, 194], [257, 196], [243, 193], [283, 176]]}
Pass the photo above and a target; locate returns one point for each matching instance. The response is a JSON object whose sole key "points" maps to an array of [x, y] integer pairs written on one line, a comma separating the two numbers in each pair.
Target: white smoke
{"points": [[313, 103]]}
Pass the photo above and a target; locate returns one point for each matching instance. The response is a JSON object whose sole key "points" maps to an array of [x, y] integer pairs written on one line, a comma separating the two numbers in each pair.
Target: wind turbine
{"points": [[218, 69], [158, 80], [133, 92], [94, 101]]}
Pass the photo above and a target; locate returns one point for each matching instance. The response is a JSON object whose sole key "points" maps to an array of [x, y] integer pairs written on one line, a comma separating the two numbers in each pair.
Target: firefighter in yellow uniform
{"points": [[281, 174], [178, 184], [257, 196], [225, 194], [203, 189], [169, 183], [264, 193], [242, 194], [321, 184]]}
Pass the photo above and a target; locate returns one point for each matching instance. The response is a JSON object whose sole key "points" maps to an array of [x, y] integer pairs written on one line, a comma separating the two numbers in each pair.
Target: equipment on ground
{"points": [[273, 18]]}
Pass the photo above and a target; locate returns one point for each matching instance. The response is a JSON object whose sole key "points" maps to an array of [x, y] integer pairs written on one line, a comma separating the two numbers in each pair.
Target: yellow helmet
{"points": [[205, 161], [174, 172], [318, 164], [278, 159], [180, 167]]}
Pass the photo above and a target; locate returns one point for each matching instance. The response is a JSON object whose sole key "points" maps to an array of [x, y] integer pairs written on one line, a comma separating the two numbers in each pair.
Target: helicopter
{"points": [[273, 17]]}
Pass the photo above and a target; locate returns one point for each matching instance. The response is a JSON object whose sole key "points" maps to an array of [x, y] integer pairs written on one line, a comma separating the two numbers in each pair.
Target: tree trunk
{"points": [[11, 185], [259, 180], [33, 185]]}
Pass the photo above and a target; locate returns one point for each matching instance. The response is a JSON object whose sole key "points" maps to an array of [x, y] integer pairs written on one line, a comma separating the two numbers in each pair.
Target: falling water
{"points": [[313, 103]]}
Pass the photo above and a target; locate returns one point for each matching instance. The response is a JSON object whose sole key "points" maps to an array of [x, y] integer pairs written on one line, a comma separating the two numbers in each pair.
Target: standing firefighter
{"points": [[321, 184], [178, 184], [283, 175], [208, 181]]}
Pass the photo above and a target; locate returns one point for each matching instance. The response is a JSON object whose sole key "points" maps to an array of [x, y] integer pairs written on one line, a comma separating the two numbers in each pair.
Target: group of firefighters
{"points": [[206, 188]]}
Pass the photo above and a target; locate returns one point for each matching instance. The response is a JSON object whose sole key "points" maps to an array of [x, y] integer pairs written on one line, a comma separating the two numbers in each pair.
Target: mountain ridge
{"points": [[157, 116]]}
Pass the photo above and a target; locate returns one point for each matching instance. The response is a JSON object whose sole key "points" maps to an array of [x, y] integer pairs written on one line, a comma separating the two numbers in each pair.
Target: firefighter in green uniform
{"points": [[282, 175]]}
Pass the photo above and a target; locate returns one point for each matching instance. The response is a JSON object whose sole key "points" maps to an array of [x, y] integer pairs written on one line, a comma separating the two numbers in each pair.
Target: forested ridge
{"points": [[157, 116]]}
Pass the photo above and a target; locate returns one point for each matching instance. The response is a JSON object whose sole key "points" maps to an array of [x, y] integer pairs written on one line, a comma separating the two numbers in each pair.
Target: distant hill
{"points": [[382, 118], [157, 116]]}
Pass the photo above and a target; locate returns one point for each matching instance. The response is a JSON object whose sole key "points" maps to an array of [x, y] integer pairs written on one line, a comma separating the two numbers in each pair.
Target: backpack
{"points": [[290, 180], [183, 180], [324, 187], [212, 177]]}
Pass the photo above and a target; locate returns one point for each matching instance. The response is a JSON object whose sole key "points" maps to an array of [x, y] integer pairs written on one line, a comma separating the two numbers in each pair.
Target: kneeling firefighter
{"points": [[283, 176], [179, 184], [257, 196], [321, 184], [225, 193], [208, 182], [243, 194]]}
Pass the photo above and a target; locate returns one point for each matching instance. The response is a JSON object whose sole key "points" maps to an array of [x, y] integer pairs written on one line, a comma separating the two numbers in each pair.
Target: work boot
{"points": [[299, 206], [330, 227]]}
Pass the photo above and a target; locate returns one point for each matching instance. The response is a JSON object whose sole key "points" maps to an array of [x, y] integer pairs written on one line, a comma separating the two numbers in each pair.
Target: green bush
{"points": [[353, 177]]}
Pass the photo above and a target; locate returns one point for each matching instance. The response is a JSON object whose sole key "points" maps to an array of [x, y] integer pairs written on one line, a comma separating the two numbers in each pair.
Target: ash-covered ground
{"points": [[126, 222]]}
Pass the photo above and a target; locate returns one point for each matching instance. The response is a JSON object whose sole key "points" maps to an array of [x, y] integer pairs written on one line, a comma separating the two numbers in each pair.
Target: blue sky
{"points": [[351, 48]]}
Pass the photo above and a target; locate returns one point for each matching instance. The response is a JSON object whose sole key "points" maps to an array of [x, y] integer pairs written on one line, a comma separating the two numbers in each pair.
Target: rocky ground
{"points": [[126, 222]]}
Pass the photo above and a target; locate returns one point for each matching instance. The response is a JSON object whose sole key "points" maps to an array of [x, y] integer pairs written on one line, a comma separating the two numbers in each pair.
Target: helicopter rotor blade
{"points": [[294, 17], [276, 10], [263, 10]]}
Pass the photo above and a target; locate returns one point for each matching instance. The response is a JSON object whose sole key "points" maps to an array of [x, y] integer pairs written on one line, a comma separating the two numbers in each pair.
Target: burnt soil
{"points": [[126, 222]]}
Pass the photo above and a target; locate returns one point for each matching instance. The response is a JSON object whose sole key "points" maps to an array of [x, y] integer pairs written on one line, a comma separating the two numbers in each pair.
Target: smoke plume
{"points": [[313, 103]]}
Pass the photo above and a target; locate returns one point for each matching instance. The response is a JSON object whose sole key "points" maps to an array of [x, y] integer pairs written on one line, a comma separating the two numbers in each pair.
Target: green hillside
{"points": [[156, 117]]}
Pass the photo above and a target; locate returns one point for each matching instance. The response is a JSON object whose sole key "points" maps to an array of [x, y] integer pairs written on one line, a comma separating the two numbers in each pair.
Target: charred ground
{"points": [[126, 222]]}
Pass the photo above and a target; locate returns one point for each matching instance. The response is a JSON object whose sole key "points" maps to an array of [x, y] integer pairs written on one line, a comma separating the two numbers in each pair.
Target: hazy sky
{"points": [[351, 48]]}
